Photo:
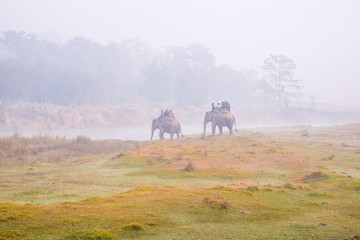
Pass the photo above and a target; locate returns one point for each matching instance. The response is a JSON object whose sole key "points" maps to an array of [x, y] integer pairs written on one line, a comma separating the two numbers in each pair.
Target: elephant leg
{"points": [[230, 130], [213, 128], [161, 134], [220, 130], [171, 135]]}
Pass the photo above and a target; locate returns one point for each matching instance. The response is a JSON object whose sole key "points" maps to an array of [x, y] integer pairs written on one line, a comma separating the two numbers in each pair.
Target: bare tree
{"points": [[279, 78]]}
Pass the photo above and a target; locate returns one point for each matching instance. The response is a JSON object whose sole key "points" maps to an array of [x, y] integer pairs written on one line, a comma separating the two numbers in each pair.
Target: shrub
{"points": [[217, 203], [319, 194], [289, 186], [189, 167], [253, 188], [303, 187], [315, 176], [133, 226], [329, 158]]}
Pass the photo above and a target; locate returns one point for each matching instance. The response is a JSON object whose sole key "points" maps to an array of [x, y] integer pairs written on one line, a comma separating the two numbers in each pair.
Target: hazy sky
{"points": [[321, 36]]}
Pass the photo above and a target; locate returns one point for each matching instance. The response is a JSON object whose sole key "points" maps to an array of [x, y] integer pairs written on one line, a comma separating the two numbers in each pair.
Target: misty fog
{"points": [[115, 64]]}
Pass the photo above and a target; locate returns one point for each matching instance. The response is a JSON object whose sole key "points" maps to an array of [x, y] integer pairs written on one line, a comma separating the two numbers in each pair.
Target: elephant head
{"points": [[154, 126], [208, 117]]}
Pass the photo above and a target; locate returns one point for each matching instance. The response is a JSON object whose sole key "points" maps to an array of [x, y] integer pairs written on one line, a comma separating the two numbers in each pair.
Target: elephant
{"points": [[220, 119], [171, 126]]}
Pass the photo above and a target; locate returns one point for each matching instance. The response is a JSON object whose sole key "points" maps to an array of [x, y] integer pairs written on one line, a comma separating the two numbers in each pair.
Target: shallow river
{"points": [[124, 133]]}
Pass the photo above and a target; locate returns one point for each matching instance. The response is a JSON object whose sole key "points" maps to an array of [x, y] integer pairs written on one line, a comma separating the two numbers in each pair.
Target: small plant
{"points": [[319, 194], [253, 188], [250, 152], [133, 226], [160, 159], [289, 186], [303, 187], [118, 156], [217, 203], [301, 226], [315, 177], [189, 167], [329, 158]]}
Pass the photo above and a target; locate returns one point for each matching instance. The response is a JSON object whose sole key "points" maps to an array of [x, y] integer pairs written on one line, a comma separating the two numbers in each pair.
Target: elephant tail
{"points": [[182, 135], [235, 125]]}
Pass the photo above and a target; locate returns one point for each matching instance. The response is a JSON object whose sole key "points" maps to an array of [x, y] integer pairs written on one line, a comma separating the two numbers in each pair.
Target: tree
{"points": [[180, 77], [279, 79], [157, 85]]}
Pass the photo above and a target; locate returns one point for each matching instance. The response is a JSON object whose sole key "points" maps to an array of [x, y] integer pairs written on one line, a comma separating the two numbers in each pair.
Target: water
{"points": [[140, 133]]}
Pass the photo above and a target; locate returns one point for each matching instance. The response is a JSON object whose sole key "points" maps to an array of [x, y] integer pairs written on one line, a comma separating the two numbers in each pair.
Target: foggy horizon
{"points": [[320, 37]]}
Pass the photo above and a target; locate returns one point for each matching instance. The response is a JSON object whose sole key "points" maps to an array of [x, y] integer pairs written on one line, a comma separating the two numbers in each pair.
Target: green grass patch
{"points": [[233, 174], [133, 227], [320, 194], [89, 234], [9, 235], [32, 192], [351, 184], [301, 226]]}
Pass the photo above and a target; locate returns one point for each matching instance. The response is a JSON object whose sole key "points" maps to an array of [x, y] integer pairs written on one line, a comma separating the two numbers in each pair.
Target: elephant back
{"points": [[228, 116], [225, 113]]}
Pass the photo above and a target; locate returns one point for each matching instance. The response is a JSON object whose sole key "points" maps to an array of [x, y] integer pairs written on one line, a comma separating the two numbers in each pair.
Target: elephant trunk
{"points": [[207, 118], [152, 132], [205, 122]]}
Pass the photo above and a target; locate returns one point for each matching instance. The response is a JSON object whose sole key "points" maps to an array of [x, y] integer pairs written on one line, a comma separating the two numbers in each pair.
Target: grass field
{"points": [[271, 183]]}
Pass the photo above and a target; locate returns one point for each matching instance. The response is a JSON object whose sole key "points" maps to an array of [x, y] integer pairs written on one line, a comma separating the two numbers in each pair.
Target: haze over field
{"points": [[276, 62], [260, 100], [321, 37]]}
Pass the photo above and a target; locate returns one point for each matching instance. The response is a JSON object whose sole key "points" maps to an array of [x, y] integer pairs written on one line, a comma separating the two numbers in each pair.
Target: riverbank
{"points": [[26, 117]]}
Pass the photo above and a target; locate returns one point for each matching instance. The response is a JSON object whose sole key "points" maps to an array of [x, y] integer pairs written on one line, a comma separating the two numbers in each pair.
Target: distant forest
{"points": [[82, 72]]}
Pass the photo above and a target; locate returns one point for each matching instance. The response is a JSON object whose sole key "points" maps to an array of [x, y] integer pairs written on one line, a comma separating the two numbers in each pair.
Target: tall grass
{"points": [[19, 150]]}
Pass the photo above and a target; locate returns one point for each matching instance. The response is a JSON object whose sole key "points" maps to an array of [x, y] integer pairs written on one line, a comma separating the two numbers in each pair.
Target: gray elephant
{"points": [[170, 126], [220, 119]]}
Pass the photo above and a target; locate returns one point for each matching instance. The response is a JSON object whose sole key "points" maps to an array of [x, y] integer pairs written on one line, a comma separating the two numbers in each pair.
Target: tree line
{"points": [[82, 71]]}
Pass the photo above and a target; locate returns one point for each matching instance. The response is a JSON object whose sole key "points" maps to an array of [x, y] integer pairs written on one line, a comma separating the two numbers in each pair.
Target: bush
{"points": [[314, 177], [253, 188], [216, 203], [133, 226], [329, 158], [189, 168], [289, 186]]}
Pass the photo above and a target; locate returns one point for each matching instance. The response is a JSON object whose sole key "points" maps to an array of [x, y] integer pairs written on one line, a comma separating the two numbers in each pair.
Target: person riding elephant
{"points": [[213, 108], [170, 126], [220, 119]]}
